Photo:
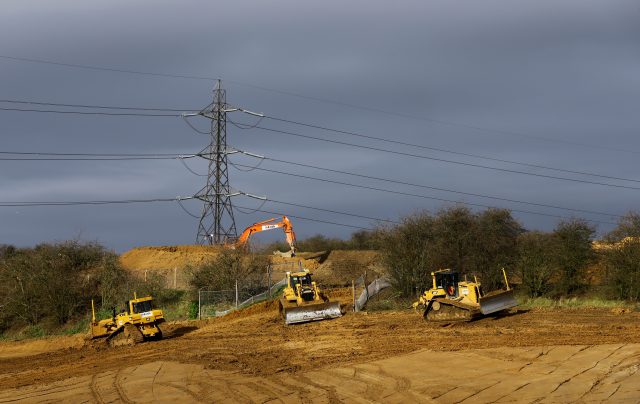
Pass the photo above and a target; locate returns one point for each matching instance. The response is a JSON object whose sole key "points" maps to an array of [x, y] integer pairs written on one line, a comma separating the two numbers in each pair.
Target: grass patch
{"points": [[181, 310], [78, 327], [31, 332]]}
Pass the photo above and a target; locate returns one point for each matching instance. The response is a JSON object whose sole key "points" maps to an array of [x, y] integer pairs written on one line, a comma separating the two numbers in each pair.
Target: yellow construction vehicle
{"points": [[137, 322], [452, 300], [303, 301]]}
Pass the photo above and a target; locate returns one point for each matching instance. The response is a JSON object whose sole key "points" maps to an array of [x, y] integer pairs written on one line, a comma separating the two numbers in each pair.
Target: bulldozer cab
{"points": [[306, 285], [300, 278], [142, 305], [447, 280]]}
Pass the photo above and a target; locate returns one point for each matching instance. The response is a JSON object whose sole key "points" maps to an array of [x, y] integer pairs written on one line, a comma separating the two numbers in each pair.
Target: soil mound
{"points": [[341, 267], [169, 257]]}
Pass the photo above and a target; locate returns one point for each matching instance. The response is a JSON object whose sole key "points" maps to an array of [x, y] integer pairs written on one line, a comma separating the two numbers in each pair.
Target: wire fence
{"points": [[215, 303]]}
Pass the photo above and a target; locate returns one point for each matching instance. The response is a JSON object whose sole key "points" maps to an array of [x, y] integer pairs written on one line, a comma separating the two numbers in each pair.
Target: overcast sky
{"points": [[548, 83]]}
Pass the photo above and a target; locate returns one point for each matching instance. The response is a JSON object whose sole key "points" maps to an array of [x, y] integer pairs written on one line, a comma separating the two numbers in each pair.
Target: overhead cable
{"points": [[88, 112], [418, 195], [440, 189], [318, 99], [95, 106], [356, 134], [310, 219], [333, 211], [108, 69], [103, 202], [444, 160], [294, 122]]}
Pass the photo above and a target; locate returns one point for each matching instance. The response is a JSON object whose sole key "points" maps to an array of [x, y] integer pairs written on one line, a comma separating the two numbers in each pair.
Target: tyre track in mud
{"points": [[398, 379], [257, 344]]}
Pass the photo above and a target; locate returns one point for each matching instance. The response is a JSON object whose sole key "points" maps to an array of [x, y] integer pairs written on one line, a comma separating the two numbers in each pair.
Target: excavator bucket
{"points": [[311, 312], [497, 301]]}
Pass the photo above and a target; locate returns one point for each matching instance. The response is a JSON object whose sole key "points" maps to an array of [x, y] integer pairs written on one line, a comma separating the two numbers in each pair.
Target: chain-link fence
{"points": [[169, 278], [214, 303]]}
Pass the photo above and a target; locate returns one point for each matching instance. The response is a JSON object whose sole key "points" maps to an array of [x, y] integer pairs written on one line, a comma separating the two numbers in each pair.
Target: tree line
{"points": [[55, 283], [554, 263]]}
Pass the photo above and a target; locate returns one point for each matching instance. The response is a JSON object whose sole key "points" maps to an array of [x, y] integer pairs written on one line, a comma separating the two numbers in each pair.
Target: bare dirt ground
{"points": [[250, 356]]}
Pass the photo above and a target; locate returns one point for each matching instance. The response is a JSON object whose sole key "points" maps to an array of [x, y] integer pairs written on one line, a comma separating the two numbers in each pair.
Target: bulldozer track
{"points": [[40, 393], [95, 392], [117, 384], [183, 389]]}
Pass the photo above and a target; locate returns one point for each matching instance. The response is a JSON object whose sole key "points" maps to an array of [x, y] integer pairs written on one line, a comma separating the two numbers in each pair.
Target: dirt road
{"points": [[537, 356]]}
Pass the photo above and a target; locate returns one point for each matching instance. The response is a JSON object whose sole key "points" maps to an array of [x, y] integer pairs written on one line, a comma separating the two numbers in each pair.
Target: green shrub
{"points": [[33, 331]]}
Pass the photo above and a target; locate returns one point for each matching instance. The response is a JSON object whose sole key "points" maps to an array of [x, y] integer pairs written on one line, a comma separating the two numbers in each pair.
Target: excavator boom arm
{"points": [[269, 224]]}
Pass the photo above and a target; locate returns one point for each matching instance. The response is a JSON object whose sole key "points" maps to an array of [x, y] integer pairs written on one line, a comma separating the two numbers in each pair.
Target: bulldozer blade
{"points": [[312, 312], [497, 301]]}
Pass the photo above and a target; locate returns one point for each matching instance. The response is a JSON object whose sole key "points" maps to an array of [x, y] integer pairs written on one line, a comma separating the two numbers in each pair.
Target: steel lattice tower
{"points": [[217, 224]]}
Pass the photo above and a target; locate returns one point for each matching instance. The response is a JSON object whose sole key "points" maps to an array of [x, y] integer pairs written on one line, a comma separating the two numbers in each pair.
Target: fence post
{"points": [[145, 275], [366, 286], [199, 306], [269, 279], [353, 290], [236, 293], [175, 277]]}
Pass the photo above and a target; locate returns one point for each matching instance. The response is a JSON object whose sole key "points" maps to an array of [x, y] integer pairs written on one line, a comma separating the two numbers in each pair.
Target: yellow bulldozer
{"points": [[303, 301], [450, 299], [137, 322]]}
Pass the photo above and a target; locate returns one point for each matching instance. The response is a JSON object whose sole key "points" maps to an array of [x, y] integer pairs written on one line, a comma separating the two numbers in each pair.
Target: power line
{"points": [[438, 188], [42, 156], [356, 134], [415, 195], [444, 160], [333, 211], [310, 219], [306, 125], [134, 156], [176, 199], [322, 100], [86, 158], [340, 131], [108, 69], [75, 203], [96, 106], [432, 120], [97, 154], [88, 112]]}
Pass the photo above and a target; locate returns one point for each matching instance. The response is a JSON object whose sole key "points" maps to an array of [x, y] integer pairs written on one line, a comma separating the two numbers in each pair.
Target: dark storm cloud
{"points": [[563, 70]]}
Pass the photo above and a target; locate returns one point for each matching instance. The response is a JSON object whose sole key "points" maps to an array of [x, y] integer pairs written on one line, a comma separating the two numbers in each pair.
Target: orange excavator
{"points": [[285, 224]]}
